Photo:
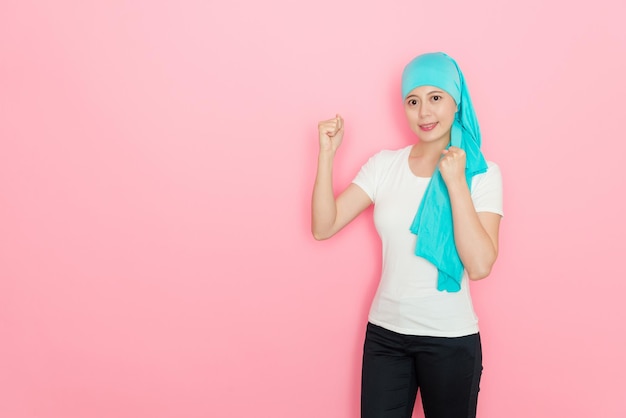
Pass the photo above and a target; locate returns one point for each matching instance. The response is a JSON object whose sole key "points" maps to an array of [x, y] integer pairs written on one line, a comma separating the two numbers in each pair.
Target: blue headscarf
{"points": [[433, 221]]}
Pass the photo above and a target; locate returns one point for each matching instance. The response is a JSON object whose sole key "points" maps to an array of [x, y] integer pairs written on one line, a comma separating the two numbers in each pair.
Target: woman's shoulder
{"points": [[492, 166], [492, 174]]}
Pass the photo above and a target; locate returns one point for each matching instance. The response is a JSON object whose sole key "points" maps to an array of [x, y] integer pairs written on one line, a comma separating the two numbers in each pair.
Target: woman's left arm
{"points": [[475, 234]]}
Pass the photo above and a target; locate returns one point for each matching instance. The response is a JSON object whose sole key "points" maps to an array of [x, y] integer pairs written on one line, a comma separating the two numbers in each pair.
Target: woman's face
{"points": [[430, 112]]}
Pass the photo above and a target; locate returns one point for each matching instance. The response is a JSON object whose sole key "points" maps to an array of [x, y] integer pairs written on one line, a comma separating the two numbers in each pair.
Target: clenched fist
{"points": [[331, 134], [452, 165]]}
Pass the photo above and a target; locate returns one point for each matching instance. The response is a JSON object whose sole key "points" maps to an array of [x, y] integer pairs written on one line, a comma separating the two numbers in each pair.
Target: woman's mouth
{"points": [[428, 127]]}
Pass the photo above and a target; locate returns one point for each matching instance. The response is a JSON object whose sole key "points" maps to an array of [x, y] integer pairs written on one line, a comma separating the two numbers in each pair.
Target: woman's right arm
{"points": [[329, 214]]}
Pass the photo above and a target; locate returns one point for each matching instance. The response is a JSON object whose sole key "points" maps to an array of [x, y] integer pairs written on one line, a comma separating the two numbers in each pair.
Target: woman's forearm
{"points": [[475, 246], [323, 205]]}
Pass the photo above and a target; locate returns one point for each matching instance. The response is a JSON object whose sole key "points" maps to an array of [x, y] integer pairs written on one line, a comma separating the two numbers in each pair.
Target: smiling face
{"points": [[430, 112]]}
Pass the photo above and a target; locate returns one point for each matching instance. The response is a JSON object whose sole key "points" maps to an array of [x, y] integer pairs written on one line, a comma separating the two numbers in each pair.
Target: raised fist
{"points": [[452, 165], [331, 133]]}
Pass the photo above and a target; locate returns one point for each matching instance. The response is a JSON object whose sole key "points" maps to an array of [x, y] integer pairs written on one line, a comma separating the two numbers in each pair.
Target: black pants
{"points": [[446, 371]]}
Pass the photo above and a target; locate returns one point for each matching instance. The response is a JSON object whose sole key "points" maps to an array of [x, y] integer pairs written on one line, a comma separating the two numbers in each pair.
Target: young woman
{"points": [[437, 209]]}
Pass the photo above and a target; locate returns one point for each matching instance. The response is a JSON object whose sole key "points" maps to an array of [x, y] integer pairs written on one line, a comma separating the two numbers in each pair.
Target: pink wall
{"points": [[156, 164]]}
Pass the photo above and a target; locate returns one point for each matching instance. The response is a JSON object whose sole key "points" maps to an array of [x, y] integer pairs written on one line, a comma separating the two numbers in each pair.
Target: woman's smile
{"points": [[428, 126]]}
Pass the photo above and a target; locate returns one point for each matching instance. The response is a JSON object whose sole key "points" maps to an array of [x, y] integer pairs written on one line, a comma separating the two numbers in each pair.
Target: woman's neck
{"points": [[425, 156], [429, 150]]}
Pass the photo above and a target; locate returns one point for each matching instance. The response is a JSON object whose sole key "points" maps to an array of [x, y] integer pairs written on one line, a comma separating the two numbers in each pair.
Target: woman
{"points": [[438, 206]]}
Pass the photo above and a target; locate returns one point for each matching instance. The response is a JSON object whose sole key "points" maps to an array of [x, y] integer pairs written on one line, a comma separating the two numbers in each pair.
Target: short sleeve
{"points": [[487, 190], [367, 177]]}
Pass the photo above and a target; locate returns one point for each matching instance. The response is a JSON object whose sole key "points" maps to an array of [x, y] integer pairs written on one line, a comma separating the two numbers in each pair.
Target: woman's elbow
{"points": [[480, 267], [321, 235], [478, 274]]}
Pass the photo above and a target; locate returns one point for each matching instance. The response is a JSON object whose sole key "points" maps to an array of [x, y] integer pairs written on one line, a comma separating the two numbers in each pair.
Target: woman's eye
{"points": [[412, 102], [436, 98]]}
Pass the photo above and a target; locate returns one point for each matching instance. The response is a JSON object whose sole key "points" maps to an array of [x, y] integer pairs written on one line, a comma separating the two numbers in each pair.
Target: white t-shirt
{"points": [[407, 300]]}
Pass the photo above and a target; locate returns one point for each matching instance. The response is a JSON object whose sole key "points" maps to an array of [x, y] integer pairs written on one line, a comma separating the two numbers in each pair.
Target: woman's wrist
{"points": [[327, 154], [456, 186]]}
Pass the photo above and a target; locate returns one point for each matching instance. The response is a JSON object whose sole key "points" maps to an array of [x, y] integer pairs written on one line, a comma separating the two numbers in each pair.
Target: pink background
{"points": [[156, 165]]}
